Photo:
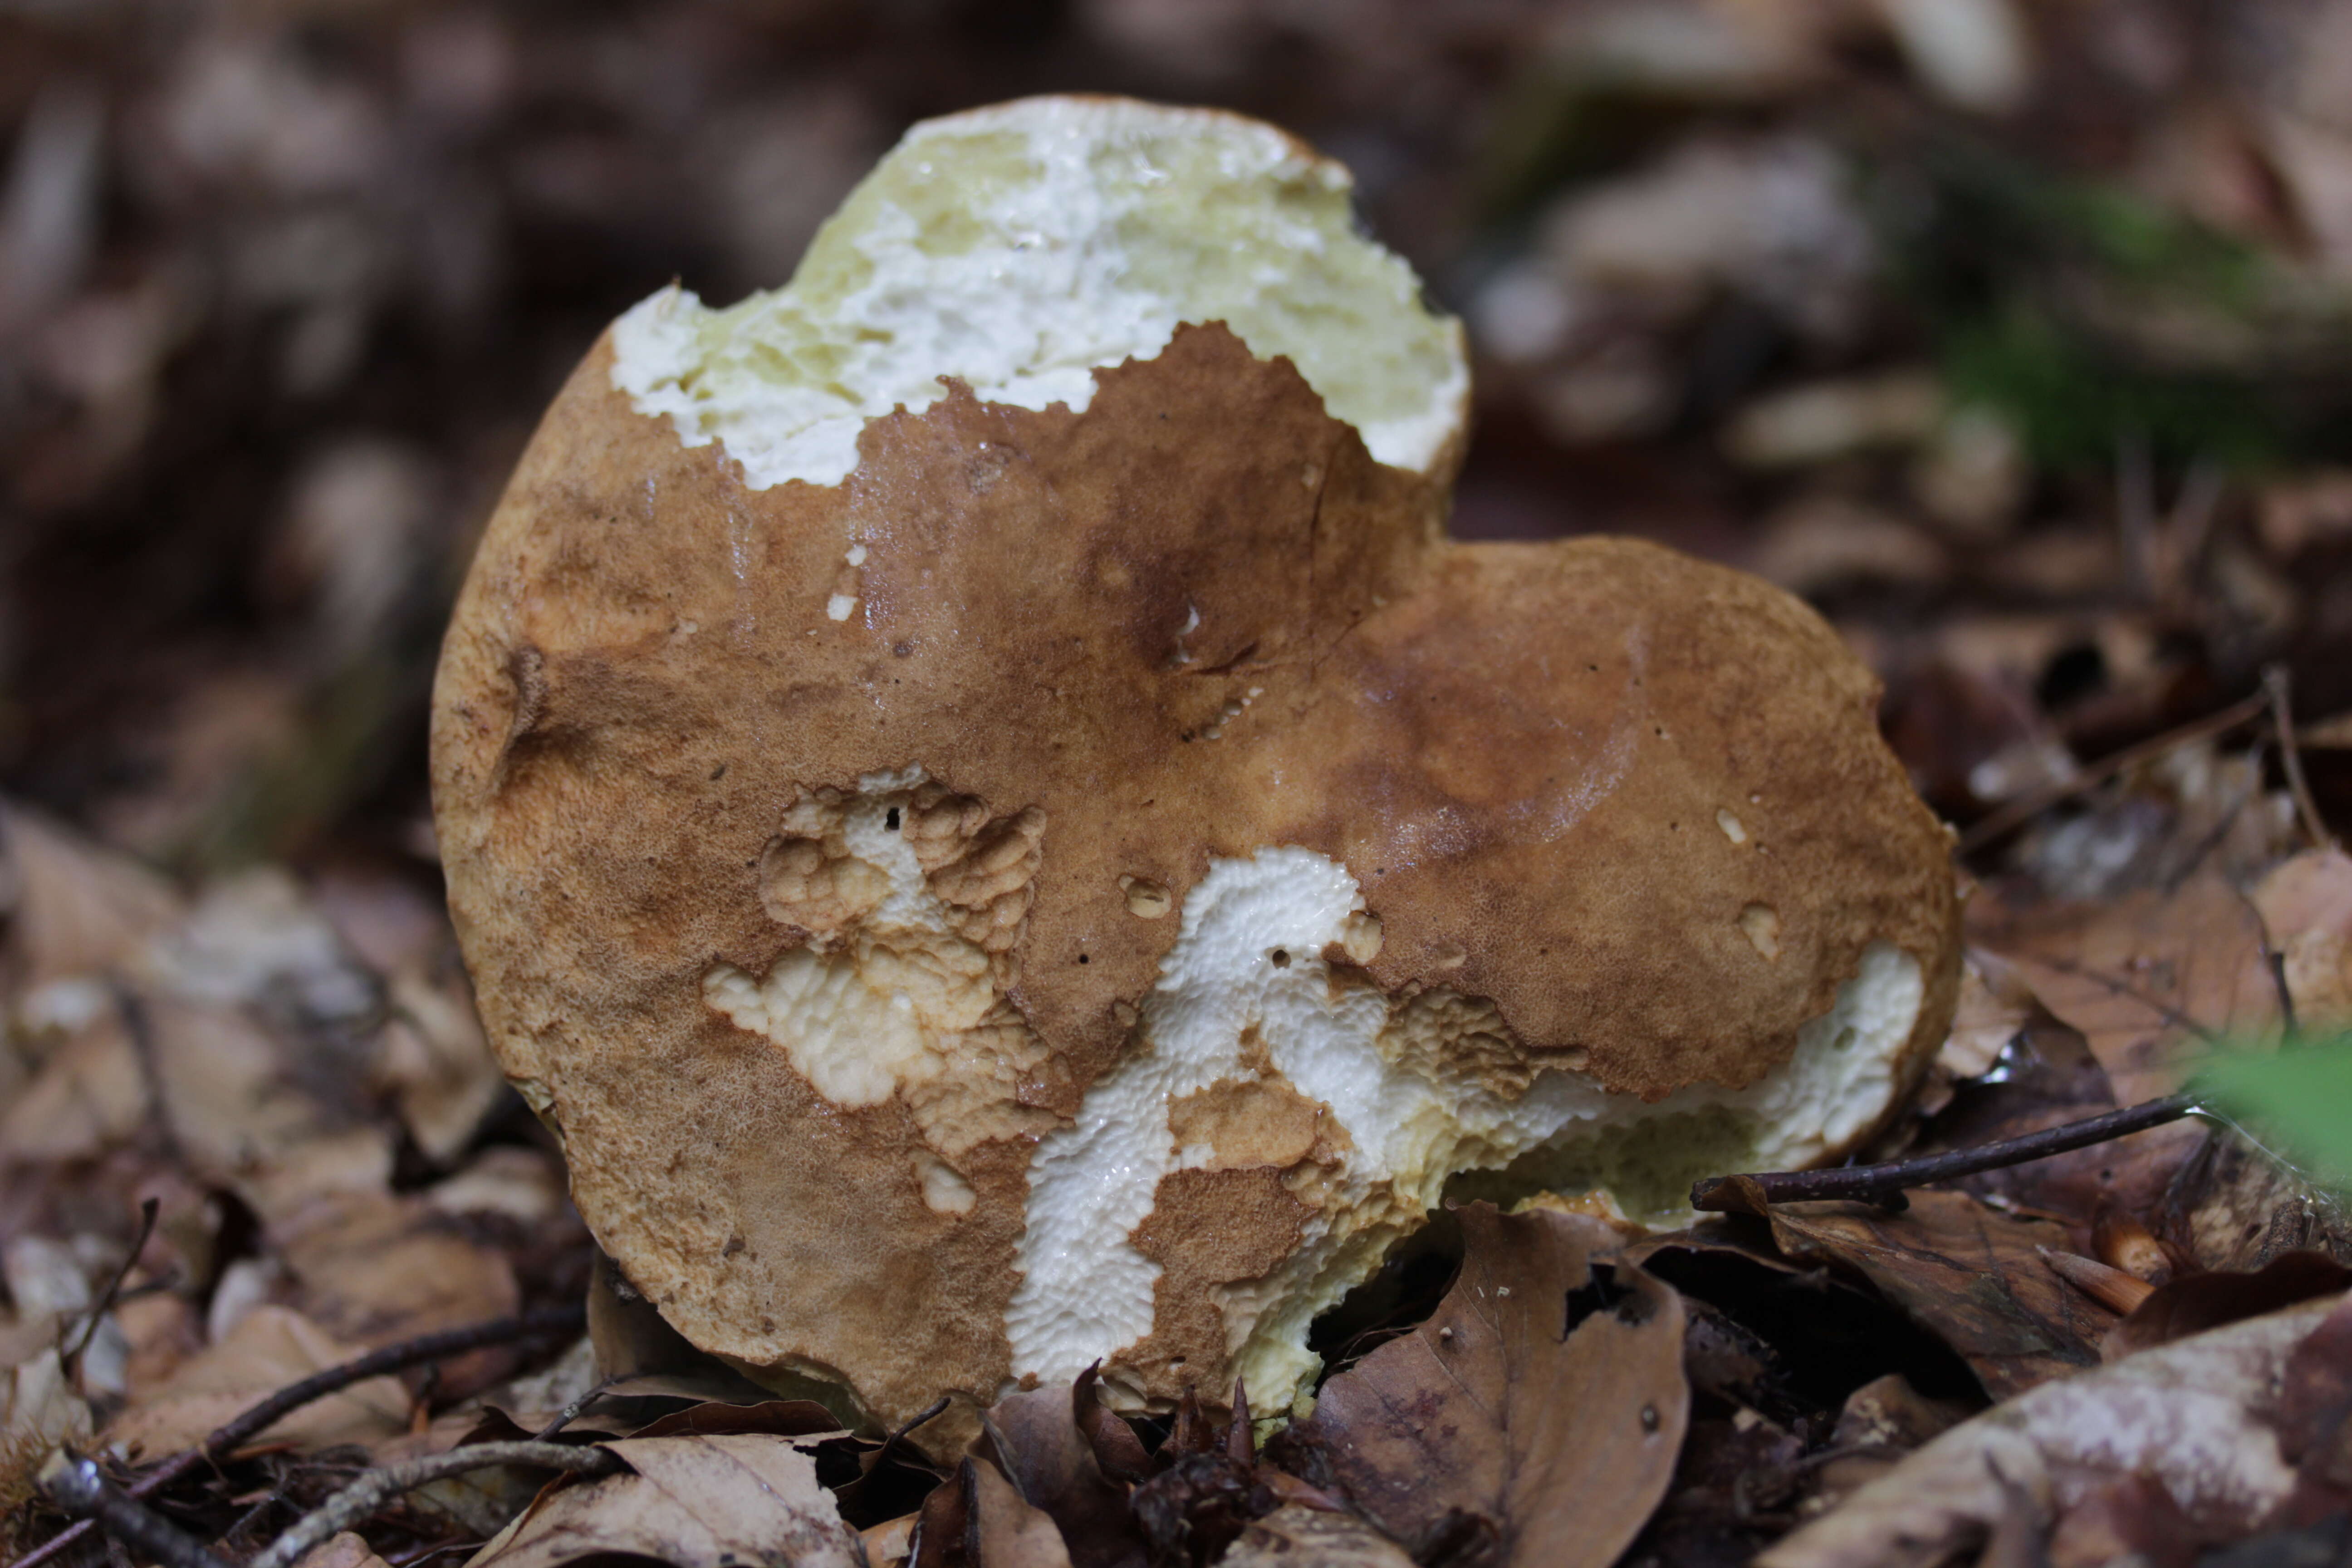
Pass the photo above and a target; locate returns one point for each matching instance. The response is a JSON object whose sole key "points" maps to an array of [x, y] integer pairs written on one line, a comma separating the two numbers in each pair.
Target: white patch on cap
{"points": [[1245, 971], [1020, 248], [902, 1005]]}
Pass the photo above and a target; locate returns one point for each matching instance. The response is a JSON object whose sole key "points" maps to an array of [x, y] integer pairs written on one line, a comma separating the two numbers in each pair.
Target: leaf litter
{"points": [[1972, 436], [1579, 1393]]}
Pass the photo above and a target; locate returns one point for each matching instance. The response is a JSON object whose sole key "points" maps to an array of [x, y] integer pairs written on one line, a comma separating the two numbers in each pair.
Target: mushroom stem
{"points": [[1884, 1184]]}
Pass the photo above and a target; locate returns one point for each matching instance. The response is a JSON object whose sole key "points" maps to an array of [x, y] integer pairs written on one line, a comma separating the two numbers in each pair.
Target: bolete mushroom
{"points": [[984, 808]]}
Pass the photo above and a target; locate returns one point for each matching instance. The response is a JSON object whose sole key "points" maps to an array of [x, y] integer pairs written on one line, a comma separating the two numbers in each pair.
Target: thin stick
{"points": [[2275, 687], [105, 1297], [2001, 822], [234, 1434], [1884, 1183], [572, 1412], [355, 1503], [77, 1488]]}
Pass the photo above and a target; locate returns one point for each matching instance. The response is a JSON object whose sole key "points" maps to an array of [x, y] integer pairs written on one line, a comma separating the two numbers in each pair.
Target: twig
{"points": [[2006, 819], [572, 1412], [77, 1488], [2274, 687], [372, 1491], [234, 1435], [1884, 1183], [105, 1297], [931, 1412]]}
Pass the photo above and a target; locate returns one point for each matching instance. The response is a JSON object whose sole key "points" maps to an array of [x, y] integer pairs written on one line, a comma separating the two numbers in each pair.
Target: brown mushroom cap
{"points": [[1597, 834]]}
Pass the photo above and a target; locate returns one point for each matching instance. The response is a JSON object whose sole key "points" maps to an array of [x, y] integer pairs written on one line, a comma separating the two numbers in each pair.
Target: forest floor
{"points": [[2016, 335]]}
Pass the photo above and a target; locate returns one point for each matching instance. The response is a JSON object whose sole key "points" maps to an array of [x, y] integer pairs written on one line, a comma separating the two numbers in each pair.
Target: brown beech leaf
{"points": [[1036, 1439], [696, 1502], [1545, 1393], [1297, 1537], [1968, 1274], [373, 1266], [2235, 1208], [2197, 1417], [74, 908], [1002, 1530], [2315, 1418], [1117, 1450], [2306, 905], [2201, 1301], [344, 1551], [271, 1347], [2147, 978]]}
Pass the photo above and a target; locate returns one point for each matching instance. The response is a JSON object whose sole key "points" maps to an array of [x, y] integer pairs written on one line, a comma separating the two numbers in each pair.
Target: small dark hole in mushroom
{"points": [[1281, 957], [1082, 958], [890, 820]]}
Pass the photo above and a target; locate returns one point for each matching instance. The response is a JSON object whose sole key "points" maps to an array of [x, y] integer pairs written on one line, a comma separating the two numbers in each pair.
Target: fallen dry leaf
{"points": [[2194, 1417], [2147, 978], [1003, 1531], [89, 1095], [2236, 1209], [2314, 1418], [1882, 1422], [2197, 1302], [1994, 1007], [373, 1268], [435, 1060], [1546, 1395], [1970, 1275], [690, 1501], [74, 908], [1297, 1537], [239, 1099], [271, 1347], [2306, 905], [344, 1551], [1035, 1437]]}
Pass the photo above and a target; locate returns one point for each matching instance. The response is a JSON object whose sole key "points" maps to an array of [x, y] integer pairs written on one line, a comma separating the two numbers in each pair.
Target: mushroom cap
{"points": [[1077, 883]]}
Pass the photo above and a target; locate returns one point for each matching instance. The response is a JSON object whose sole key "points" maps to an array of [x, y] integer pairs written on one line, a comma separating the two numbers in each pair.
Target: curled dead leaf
{"points": [[271, 1347], [1035, 1437], [1003, 1531], [1547, 1395], [2201, 1301], [1970, 1275], [2196, 1417], [1297, 1537], [692, 1500]]}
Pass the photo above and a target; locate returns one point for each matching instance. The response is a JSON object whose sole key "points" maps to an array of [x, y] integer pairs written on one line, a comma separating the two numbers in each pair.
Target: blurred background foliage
{"points": [[2013, 332]]}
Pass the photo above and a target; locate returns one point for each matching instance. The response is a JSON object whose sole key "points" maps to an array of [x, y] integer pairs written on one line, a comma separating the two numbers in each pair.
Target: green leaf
{"points": [[2300, 1096]]}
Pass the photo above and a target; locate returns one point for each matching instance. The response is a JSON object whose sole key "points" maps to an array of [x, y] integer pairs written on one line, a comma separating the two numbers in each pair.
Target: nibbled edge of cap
{"points": [[1019, 248]]}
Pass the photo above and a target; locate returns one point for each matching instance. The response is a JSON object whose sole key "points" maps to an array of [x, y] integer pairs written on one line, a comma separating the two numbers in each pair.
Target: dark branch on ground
{"points": [[77, 1488], [1884, 1184], [107, 1298], [234, 1435], [355, 1503]]}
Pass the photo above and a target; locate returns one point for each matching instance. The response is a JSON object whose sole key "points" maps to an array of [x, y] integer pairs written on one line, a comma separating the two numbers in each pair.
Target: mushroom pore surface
{"points": [[986, 811]]}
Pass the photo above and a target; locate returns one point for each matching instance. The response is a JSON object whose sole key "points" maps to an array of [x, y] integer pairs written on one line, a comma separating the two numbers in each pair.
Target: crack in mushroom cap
{"points": [[1084, 882]]}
